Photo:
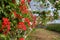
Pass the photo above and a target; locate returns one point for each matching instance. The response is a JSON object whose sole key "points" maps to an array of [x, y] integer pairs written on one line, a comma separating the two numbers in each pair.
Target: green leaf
{"points": [[12, 5], [2, 37]]}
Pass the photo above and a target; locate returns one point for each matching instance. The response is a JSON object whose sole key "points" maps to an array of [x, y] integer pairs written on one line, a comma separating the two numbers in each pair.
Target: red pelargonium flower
{"points": [[34, 21], [21, 25], [17, 15], [23, 9], [33, 24], [28, 21], [29, 1], [21, 38], [5, 19], [5, 25], [34, 17], [22, 1]]}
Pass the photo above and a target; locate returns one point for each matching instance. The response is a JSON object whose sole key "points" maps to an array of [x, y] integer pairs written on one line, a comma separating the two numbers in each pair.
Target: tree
{"points": [[46, 10]]}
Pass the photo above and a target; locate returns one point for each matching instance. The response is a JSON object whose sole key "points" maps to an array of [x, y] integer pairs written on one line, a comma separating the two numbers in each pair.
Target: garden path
{"points": [[43, 34]]}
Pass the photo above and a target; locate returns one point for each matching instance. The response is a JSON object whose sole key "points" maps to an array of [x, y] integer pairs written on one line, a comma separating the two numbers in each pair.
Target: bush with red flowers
{"points": [[15, 20]]}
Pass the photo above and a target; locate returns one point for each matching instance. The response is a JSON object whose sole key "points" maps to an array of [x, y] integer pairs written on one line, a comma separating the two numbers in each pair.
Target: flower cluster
{"points": [[23, 9], [34, 20], [17, 15], [22, 26], [22, 2], [27, 20], [5, 24]]}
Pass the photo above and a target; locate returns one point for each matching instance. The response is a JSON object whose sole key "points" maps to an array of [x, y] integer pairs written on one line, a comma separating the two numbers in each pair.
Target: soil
{"points": [[43, 34]]}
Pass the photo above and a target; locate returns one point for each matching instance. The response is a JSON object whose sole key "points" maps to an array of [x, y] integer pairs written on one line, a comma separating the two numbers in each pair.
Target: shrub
{"points": [[54, 27], [16, 21]]}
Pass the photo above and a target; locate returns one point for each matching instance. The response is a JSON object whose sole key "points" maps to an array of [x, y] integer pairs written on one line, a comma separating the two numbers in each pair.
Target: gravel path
{"points": [[43, 34]]}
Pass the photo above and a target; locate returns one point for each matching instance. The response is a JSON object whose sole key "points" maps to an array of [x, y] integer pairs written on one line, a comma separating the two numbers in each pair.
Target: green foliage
{"points": [[3, 37], [43, 16], [54, 27], [57, 5], [55, 15], [15, 15], [52, 1]]}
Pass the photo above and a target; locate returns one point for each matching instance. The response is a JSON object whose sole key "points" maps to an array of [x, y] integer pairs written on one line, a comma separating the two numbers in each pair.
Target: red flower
{"points": [[34, 17], [34, 21], [29, 1], [23, 9], [21, 25], [22, 1], [5, 19], [5, 25], [28, 21], [21, 38], [34, 24], [17, 15]]}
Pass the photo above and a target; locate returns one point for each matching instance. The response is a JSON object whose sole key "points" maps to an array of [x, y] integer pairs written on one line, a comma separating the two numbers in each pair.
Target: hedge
{"points": [[54, 27]]}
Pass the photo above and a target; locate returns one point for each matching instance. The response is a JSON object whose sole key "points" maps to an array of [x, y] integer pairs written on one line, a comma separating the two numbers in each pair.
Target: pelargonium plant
{"points": [[16, 21]]}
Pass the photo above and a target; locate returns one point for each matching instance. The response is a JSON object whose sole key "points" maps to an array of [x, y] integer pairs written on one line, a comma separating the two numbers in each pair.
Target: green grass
{"points": [[54, 27]]}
